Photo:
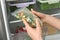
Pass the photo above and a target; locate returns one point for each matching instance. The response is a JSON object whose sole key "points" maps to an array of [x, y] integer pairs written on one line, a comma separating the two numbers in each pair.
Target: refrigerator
{"points": [[8, 23]]}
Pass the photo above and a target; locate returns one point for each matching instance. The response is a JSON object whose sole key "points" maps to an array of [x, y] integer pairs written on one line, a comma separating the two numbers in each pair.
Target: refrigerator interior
{"points": [[14, 23]]}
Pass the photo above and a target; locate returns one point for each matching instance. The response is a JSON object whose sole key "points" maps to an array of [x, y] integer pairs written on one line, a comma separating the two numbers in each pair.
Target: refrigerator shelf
{"points": [[21, 3], [15, 21]]}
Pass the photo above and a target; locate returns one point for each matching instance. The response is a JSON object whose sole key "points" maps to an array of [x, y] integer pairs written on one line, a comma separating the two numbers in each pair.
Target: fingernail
{"points": [[31, 9], [22, 19]]}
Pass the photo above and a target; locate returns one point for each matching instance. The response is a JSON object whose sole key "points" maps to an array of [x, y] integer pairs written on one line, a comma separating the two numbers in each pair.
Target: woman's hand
{"points": [[34, 33], [40, 15], [48, 19]]}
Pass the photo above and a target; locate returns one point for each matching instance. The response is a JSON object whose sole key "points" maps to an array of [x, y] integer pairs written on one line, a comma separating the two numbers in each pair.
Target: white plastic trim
{"points": [[15, 21]]}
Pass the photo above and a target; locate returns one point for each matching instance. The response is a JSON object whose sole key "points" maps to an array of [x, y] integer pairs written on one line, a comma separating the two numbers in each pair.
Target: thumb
{"points": [[28, 27], [33, 11], [41, 15]]}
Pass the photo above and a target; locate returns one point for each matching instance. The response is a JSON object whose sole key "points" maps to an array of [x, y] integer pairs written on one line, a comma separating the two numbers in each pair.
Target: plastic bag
{"points": [[27, 15]]}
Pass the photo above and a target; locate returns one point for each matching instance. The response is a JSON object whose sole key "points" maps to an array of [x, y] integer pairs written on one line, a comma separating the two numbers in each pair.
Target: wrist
{"points": [[39, 38], [45, 18]]}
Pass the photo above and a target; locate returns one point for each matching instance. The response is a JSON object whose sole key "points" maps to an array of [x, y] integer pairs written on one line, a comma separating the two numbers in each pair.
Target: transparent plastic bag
{"points": [[27, 15]]}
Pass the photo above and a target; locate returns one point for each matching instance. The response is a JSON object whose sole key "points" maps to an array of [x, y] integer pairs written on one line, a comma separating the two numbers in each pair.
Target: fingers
{"points": [[41, 15], [38, 27], [28, 28], [33, 11], [25, 22]]}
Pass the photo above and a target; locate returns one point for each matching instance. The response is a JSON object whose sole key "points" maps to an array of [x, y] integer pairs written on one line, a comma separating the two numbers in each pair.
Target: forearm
{"points": [[52, 21]]}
